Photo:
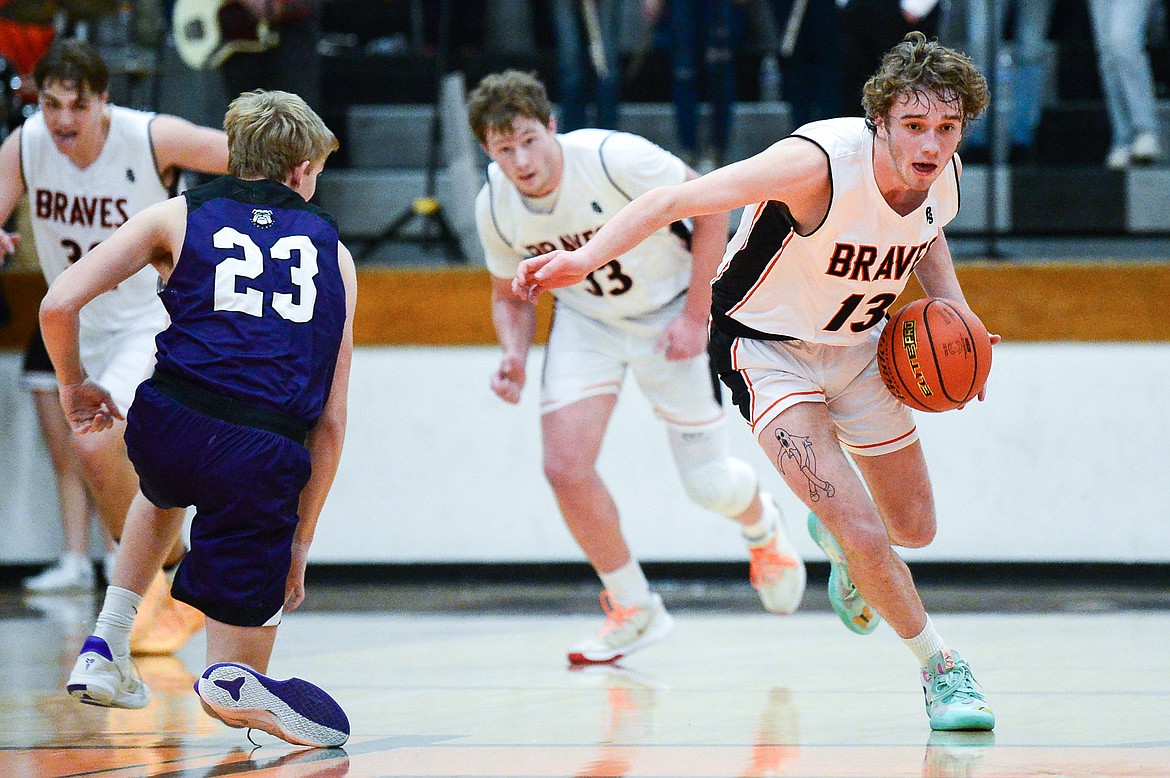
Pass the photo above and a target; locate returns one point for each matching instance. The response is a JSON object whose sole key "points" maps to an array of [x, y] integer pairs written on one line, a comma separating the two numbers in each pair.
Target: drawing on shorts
{"points": [[800, 451]]}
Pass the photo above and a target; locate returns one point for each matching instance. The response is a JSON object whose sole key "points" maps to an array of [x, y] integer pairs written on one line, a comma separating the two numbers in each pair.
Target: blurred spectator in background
{"points": [[1019, 78], [1119, 30], [702, 45], [808, 42], [292, 64], [869, 28], [587, 33]]}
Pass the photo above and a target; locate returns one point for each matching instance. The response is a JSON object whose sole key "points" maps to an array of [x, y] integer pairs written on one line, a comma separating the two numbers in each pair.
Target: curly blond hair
{"points": [[921, 67]]}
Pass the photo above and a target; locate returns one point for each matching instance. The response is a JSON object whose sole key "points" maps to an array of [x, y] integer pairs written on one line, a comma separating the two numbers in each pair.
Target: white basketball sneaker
{"points": [[777, 571], [70, 574], [625, 631], [100, 678]]}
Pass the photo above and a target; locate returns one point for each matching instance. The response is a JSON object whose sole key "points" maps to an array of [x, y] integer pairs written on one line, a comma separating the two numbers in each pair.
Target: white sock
{"points": [[766, 524], [926, 643], [117, 618], [627, 584]]}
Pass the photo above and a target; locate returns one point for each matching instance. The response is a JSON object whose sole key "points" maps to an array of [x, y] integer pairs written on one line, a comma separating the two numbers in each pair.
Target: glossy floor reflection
{"points": [[486, 692]]}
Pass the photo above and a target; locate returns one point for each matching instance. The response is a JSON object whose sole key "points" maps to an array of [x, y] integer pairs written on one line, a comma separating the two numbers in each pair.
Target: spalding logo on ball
{"points": [[934, 355]]}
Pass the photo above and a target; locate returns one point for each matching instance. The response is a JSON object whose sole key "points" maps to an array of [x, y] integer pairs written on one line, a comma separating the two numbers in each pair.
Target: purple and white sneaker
{"points": [[100, 678], [293, 710]]}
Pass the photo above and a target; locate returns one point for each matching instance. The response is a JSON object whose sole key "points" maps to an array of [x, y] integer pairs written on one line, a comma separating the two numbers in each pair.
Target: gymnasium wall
{"points": [[1062, 463]]}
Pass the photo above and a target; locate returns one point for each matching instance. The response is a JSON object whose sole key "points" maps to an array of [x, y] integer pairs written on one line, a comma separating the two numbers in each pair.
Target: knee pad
{"points": [[726, 486], [712, 479]]}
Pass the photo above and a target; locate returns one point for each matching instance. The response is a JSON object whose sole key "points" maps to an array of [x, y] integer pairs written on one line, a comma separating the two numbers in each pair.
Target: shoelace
{"points": [[768, 564], [958, 682], [615, 615]]}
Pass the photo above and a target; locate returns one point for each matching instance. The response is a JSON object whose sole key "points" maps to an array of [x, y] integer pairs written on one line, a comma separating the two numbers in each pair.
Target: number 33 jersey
{"points": [[256, 298], [835, 284], [602, 171], [74, 209]]}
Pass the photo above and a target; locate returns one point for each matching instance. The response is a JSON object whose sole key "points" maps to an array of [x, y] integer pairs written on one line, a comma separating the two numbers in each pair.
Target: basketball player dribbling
{"points": [[837, 217]]}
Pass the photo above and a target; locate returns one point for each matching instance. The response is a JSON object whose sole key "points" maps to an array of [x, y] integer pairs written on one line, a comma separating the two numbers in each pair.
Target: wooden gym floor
{"points": [[470, 680]]}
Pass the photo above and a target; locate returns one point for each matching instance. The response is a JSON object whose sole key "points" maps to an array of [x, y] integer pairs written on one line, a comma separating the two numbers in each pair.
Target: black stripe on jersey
{"points": [[492, 209], [262, 192], [955, 162], [679, 228], [771, 228]]}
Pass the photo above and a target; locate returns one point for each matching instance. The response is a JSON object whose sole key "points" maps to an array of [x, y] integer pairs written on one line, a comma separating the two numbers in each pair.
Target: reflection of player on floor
{"points": [[88, 166], [828, 214], [645, 314], [243, 417]]}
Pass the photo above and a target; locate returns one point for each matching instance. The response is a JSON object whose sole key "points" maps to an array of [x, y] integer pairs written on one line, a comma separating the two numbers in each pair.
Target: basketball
{"points": [[934, 355]]}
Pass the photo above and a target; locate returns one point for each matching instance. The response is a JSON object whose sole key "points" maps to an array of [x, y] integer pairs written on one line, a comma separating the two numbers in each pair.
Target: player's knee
{"points": [[916, 532], [727, 486], [562, 472]]}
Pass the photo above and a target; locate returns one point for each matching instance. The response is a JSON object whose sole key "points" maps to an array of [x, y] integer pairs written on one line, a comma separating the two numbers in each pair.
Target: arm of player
{"points": [[515, 322], [792, 169], [11, 187], [936, 273], [181, 144], [147, 238], [686, 336], [324, 442]]}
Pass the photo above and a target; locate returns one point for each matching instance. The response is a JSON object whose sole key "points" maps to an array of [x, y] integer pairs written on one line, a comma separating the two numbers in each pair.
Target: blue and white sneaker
{"points": [[294, 710], [850, 606], [953, 699], [100, 678]]}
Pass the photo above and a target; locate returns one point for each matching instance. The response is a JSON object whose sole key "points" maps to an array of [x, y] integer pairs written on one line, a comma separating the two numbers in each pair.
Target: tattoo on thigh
{"points": [[799, 451]]}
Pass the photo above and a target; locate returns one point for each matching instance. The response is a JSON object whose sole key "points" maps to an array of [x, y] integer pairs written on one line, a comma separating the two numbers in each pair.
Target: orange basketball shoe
{"points": [[174, 625]]}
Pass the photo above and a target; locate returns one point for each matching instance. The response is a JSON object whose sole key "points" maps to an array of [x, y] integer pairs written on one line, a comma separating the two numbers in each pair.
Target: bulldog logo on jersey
{"points": [[130, 174], [596, 207], [262, 218]]}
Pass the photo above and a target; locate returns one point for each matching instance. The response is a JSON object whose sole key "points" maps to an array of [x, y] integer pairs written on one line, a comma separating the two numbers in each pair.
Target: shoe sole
{"points": [[964, 721], [867, 620], [93, 690], [662, 628], [294, 710]]}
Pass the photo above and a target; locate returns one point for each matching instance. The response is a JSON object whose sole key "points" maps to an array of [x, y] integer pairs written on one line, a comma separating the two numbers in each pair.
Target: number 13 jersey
{"points": [[602, 171], [833, 285], [256, 298]]}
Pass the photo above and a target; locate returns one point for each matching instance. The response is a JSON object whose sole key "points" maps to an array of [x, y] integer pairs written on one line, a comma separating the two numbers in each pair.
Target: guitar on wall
{"points": [[207, 32]]}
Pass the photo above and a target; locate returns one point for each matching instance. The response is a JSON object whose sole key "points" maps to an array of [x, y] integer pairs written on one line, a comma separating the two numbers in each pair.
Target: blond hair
{"points": [[270, 133], [918, 67], [501, 98]]}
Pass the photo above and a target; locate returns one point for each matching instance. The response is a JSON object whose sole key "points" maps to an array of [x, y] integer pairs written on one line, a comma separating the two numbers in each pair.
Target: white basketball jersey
{"points": [[73, 210], [833, 285], [603, 171]]}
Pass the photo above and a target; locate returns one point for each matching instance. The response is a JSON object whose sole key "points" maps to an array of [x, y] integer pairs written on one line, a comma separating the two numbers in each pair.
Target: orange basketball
{"points": [[934, 355]]}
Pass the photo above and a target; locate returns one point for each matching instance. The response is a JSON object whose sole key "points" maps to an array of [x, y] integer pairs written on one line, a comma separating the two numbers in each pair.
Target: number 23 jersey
{"points": [[602, 171], [256, 298], [835, 284]]}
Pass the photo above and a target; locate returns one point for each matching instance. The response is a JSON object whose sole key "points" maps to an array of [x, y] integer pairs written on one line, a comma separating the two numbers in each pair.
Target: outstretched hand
{"points": [[546, 272], [88, 407]]}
